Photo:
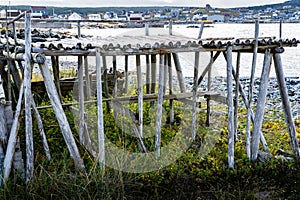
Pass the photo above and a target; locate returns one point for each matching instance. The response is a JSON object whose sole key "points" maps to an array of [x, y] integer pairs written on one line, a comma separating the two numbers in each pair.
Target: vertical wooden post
{"points": [[55, 67], [126, 74], [59, 112], [201, 30], [105, 82], [286, 104], [140, 93], [148, 74], [165, 72], [230, 109], [260, 108], [87, 78], [208, 88], [8, 63], [195, 86], [81, 101], [147, 29], [14, 33], [160, 100], [179, 72], [236, 95], [27, 95], [78, 29], [100, 110], [115, 77], [248, 134], [153, 73], [10, 150], [170, 27], [171, 89], [280, 29]]}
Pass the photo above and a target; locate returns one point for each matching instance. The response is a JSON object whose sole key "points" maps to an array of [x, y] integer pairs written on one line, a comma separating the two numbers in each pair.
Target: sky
{"points": [[128, 3]]}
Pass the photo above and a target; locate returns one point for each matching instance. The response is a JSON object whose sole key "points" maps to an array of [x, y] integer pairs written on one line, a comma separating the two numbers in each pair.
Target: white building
{"points": [[94, 16], [74, 16], [216, 18]]}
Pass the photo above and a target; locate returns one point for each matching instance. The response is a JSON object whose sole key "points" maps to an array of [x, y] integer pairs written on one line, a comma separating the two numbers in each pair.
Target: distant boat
{"points": [[193, 26]]}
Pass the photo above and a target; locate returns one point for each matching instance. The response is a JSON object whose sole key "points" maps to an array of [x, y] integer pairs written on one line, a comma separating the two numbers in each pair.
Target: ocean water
{"points": [[290, 58]]}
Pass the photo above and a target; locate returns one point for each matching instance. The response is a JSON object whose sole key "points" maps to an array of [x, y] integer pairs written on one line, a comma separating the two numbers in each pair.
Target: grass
{"points": [[190, 177]]}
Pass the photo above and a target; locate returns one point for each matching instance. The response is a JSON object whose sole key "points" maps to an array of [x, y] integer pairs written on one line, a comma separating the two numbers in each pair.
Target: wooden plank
{"points": [[13, 137], [61, 117], [165, 72], [170, 27], [208, 88], [140, 94], [126, 74], [148, 73], [28, 98], [254, 58], [81, 101], [171, 88], [195, 87], [179, 72], [55, 68], [260, 108], [230, 109], [15, 75], [160, 101], [236, 95], [101, 136], [115, 77], [153, 73], [286, 104], [201, 30], [147, 29], [3, 129], [87, 79]]}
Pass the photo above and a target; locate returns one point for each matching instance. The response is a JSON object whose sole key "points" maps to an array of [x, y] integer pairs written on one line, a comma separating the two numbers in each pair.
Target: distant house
{"points": [[216, 18], [94, 16], [39, 12], [136, 17], [10, 13], [74, 16]]}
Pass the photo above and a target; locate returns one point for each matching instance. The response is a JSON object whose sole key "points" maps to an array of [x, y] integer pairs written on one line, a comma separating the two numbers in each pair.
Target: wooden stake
{"points": [[78, 29], [81, 129], [201, 30], [140, 93], [60, 115], [160, 101], [179, 72], [236, 99], [230, 109], [87, 79], [260, 108], [55, 67], [115, 75], [148, 74], [126, 74], [147, 29], [170, 27], [195, 86], [171, 89], [248, 134], [165, 72], [27, 95], [208, 88], [286, 104], [153, 73], [100, 110]]}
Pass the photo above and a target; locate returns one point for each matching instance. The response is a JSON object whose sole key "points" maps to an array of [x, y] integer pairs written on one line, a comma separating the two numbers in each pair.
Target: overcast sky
{"points": [[106, 3]]}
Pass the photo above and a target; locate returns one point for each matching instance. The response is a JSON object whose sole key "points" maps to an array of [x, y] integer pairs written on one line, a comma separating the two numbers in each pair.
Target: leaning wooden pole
{"points": [[286, 104], [81, 129], [236, 95], [195, 87], [179, 72], [59, 112], [171, 88], [55, 68], [230, 109], [160, 100], [248, 134], [140, 94], [87, 79], [100, 110], [260, 108], [208, 89], [28, 98]]}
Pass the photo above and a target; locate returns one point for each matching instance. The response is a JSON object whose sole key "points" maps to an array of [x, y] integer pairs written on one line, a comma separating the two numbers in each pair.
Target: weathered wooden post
{"points": [[147, 29], [59, 112], [248, 134], [236, 95], [230, 108], [140, 93], [195, 87], [280, 28], [179, 72], [115, 77], [87, 78], [286, 104], [148, 73], [9, 96], [81, 101], [170, 27], [208, 88], [165, 72], [78, 29], [171, 88], [55, 68], [100, 110], [201, 30], [153, 73], [28, 98], [260, 108], [160, 100], [126, 74]]}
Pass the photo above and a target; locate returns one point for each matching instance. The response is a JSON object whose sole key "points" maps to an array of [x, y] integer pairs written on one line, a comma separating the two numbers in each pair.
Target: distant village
{"points": [[207, 14]]}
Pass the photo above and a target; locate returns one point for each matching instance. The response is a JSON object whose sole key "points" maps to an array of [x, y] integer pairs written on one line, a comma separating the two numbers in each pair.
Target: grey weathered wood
{"points": [[171, 88], [236, 95], [179, 72], [230, 109], [78, 30], [2, 93], [195, 87], [286, 104], [1, 164], [148, 73], [100, 110], [140, 94], [201, 30], [15, 34], [61, 116], [3, 129], [147, 29], [160, 101], [170, 27], [115, 77], [55, 68], [153, 73], [165, 72], [41, 129], [9, 92], [280, 29], [208, 67], [87, 79], [15, 74], [126, 74], [13, 137], [254, 58], [81, 101], [105, 81], [208, 88], [28, 98], [260, 108]]}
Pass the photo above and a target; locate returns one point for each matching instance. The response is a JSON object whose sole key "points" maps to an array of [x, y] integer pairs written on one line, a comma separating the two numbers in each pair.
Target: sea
{"points": [[290, 57]]}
